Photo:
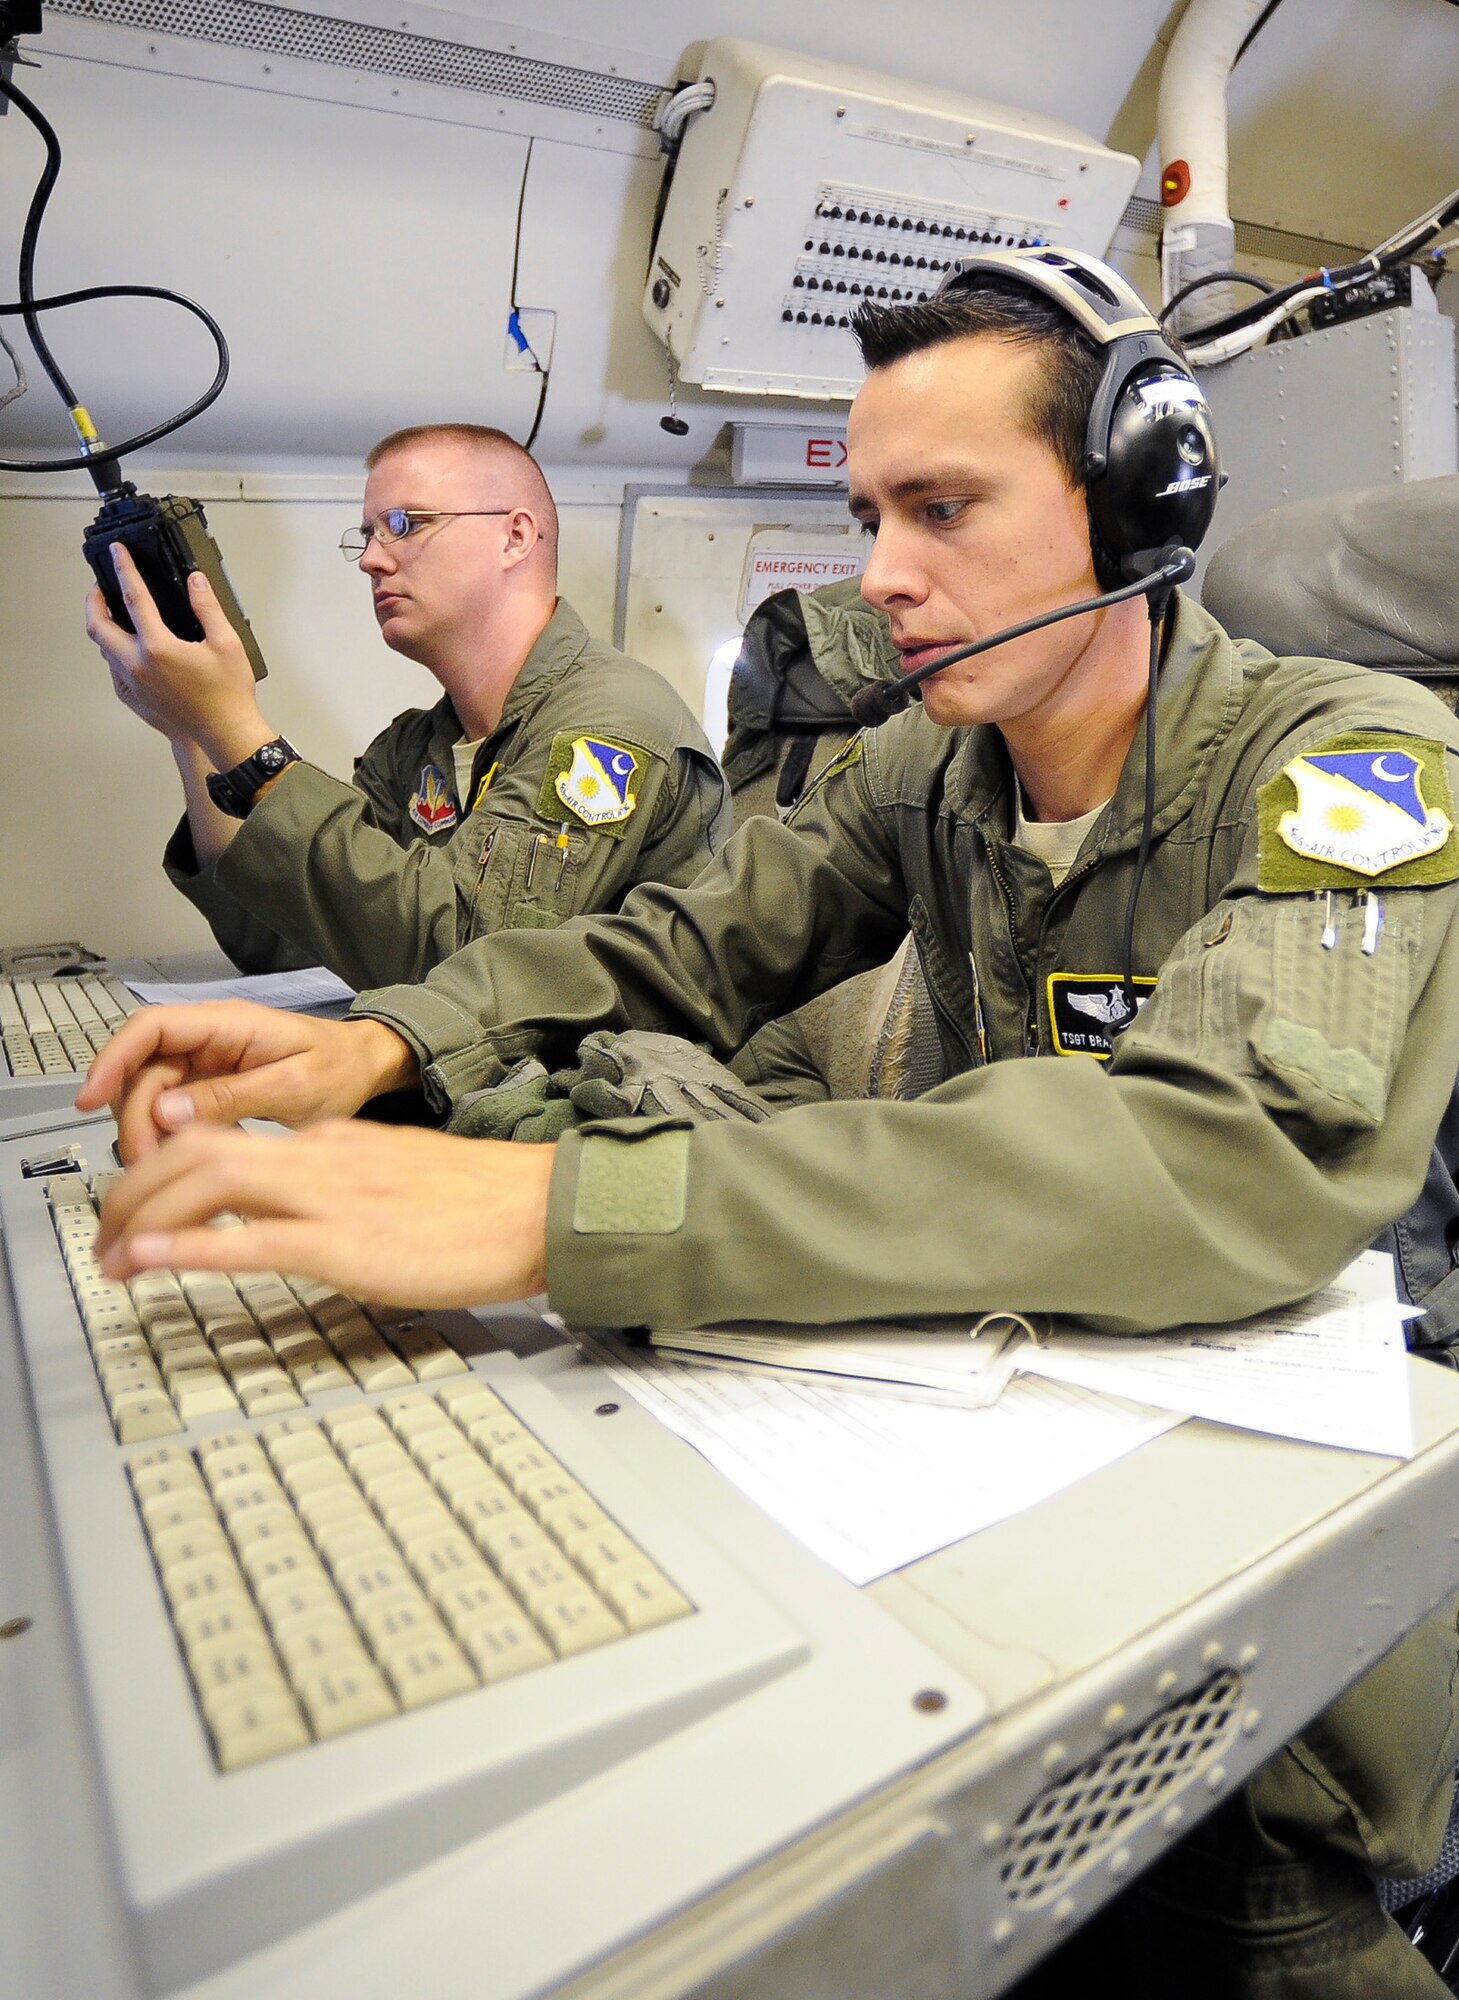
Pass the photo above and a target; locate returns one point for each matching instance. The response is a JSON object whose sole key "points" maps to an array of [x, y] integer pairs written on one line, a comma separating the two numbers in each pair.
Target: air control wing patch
{"points": [[1088, 1009], [1360, 807], [433, 807], [595, 779]]}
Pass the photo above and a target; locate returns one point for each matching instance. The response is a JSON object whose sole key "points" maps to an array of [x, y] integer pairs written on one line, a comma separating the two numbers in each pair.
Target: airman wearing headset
{"points": [[1249, 938]]}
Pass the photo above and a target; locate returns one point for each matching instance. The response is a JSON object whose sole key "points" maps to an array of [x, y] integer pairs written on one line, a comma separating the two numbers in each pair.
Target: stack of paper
{"points": [[1332, 1369], [969, 1367], [302, 992]]}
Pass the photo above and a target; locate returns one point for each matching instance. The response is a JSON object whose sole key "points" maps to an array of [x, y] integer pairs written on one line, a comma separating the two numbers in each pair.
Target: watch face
{"points": [[272, 756]]}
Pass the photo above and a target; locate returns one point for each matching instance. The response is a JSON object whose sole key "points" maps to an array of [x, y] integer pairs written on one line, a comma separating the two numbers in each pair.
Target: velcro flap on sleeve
{"points": [[632, 1180]]}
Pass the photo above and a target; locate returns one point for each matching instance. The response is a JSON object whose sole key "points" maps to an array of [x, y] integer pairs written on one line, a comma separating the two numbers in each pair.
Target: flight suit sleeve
{"points": [[781, 914], [253, 946], [1271, 1110], [244, 904]]}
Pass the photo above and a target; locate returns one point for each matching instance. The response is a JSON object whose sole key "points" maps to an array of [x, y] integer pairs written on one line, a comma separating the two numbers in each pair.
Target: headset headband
{"points": [[1099, 300], [1151, 472]]}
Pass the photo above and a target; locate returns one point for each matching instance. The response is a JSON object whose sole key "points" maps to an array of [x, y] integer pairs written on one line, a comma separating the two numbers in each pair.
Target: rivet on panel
{"points": [[1064, 1911], [1002, 1933], [1167, 1682], [1251, 1722], [1054, 1758], [1119, 1861], [1248, 1656], [1172, 1817], [1211, 1653], [992, 1836], [1215, 1777], [1114, 1715]]}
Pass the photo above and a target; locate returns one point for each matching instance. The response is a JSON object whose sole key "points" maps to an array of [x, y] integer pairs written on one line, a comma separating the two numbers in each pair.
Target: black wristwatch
{"points": [[233, 792]]}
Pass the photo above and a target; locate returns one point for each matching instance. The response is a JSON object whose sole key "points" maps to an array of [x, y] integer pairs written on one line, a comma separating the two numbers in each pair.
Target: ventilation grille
{"points": [[1308, 253], [265, 30], [1078, 1819]]}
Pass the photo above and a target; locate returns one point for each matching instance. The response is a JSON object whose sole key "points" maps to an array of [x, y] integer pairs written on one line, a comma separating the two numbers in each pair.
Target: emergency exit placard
{"points": [[798, 559]]}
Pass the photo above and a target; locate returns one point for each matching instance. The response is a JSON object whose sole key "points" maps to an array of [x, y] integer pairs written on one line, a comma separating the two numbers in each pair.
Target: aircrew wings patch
{"points": [[593, 779], [1363, 807]]}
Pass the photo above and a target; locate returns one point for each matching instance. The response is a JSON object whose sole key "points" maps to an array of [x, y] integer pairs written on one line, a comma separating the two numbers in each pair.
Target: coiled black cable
{"points": [[100, 462]]}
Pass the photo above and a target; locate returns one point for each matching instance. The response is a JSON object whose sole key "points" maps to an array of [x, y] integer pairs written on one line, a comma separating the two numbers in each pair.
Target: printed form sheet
{"points": [[1331, 1369], [871, 1481], [299, 991]]}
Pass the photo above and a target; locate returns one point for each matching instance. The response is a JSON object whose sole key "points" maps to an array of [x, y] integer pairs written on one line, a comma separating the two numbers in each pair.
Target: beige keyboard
{"points": [[169, 1349], [327, 1637], [49, 1027], [325, 1573]]}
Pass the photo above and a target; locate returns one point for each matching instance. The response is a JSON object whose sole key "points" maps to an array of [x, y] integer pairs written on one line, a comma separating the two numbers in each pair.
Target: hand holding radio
{"points": [[197, 690]]}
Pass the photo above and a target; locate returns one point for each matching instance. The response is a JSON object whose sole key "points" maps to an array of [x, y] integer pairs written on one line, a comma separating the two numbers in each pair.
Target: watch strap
{"points": [[234, 792]]}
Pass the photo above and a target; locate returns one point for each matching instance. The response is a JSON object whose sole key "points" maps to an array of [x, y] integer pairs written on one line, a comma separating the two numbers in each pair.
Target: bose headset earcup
{"points": [[1151, 470]]}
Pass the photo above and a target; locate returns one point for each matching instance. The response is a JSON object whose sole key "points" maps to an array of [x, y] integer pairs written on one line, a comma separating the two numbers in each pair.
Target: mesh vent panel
{"points": [[251, 24], [1076, 1820]]}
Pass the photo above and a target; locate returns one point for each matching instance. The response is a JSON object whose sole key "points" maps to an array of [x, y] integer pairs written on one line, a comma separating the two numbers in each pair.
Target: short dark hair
{"points": [[998, 308]]}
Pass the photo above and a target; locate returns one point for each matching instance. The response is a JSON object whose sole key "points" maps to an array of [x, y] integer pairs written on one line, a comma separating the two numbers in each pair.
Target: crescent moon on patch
{"points": [[1387, 776], [622, 765]]}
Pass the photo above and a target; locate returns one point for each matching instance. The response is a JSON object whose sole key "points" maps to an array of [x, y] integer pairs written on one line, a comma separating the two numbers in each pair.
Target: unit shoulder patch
{"points": [[595, 779], [1088, 1009], [433, 806], [1360, 807]]}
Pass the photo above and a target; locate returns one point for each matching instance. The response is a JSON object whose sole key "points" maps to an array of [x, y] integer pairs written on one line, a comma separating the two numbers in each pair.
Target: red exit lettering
{"points": [[826, 453]]}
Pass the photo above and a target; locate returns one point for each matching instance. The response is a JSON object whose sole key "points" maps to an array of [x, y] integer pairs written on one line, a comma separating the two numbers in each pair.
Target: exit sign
{"points": [[788, 455]]}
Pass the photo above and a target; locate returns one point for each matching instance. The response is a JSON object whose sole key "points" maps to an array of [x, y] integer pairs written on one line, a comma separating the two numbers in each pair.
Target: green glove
{"points": [[527, 1105], [645, 1075]]}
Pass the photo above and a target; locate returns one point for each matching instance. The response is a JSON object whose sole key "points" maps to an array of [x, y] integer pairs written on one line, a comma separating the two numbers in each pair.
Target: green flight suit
{"points": [[348, 876], [1272, 1109]]}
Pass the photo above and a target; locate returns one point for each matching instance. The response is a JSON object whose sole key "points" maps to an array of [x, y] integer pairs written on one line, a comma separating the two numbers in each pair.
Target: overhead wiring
{"points": [[95, 456], [1236, 332], [1178, 299]]}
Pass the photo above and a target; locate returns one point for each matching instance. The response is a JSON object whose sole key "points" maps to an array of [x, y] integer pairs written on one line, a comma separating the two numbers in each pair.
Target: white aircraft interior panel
{"points": [[1068, 60], [1345, 74], [805, 188], [684, 572], [1392, 377], [360, 267]]}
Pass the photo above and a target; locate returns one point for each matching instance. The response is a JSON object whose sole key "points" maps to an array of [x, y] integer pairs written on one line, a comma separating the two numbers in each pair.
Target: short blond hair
{"points": [[486, 439]]}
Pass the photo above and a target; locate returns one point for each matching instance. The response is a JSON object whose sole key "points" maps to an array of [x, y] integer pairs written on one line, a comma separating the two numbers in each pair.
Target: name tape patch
{"points": [[1088, 1009]]}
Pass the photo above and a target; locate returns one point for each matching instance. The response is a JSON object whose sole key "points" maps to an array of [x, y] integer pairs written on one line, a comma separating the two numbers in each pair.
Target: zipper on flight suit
{"points": [[481, 867], [1031, 1023]]}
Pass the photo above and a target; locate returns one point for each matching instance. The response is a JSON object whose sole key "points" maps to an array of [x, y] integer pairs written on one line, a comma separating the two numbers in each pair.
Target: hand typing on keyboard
{"points": [[224, 1060], [386, 1212]]}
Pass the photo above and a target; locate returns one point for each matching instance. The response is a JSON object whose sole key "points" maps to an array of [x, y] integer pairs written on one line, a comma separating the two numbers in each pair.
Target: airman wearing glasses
{"points": [[552, 775]]}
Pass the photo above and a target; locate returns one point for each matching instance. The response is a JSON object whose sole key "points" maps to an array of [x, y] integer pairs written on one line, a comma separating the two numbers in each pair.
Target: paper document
{"points": [[872, 1482], [1331, 1369], [299, 991], [971, 1366]]}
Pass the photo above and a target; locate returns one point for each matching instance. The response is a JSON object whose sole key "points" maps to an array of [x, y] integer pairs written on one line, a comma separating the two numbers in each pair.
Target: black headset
{"points": [[1151, 472]]}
